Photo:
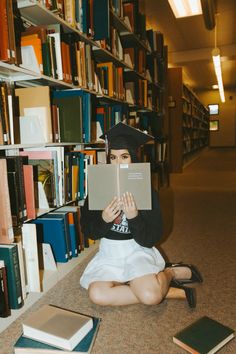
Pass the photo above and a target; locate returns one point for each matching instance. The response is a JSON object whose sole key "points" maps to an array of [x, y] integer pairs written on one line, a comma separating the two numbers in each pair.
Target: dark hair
{"points": [[132, 152]]}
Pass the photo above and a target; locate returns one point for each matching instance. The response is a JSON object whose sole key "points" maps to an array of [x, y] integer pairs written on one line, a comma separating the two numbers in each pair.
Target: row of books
{"points": [[41, 178], [11, 26], [54, 237], [35, 115]]}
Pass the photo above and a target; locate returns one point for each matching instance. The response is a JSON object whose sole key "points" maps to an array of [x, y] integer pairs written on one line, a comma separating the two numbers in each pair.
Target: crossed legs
{"points": [[149, 289]]}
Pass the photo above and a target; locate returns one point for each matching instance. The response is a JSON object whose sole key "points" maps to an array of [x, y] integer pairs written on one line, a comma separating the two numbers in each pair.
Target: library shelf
{"points": [[49, 279]]}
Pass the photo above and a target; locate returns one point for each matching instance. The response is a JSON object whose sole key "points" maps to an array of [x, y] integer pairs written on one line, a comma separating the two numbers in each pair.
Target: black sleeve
{"points": [[146, 227], [92, 224]]}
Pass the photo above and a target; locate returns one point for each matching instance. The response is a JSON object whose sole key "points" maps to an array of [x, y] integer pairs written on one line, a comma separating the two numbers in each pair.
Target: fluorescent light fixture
{"points": [[185, 8], [217, 66]]}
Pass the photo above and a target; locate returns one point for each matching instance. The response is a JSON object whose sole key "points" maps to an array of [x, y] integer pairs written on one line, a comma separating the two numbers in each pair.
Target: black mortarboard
{"points": [[123, 136]]}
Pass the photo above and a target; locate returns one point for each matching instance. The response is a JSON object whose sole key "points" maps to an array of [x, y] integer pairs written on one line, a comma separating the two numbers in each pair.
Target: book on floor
{"points": [[204, 336], [110, 180], [57, 326], [26, 345]]}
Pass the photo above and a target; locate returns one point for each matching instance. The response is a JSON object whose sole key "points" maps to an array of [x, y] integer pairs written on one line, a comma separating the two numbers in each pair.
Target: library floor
{"points": [[204, 233]]}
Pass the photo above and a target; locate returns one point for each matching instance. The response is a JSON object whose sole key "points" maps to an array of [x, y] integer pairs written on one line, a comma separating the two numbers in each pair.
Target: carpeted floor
{"points": [[204, 233]]}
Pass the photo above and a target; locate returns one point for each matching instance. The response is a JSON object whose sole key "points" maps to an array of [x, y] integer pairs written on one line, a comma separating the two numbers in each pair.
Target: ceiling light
{"points": [[185, 8], [215, 87], [217, 65]]}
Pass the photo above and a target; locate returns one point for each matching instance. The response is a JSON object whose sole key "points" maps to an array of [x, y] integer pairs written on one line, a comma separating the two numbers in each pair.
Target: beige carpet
{"points": [[204, 233]]}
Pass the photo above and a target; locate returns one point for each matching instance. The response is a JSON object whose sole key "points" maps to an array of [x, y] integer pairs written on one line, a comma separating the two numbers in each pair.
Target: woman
{"points": [[128, 269]]}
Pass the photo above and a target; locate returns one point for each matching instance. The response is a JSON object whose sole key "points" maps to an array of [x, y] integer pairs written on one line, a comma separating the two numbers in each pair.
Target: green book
{"points": [[30, 346], [204, 336], [9, 254]]}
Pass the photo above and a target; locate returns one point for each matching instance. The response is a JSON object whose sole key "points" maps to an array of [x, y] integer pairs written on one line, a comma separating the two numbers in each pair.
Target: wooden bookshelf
{"points": [[188, 122]]}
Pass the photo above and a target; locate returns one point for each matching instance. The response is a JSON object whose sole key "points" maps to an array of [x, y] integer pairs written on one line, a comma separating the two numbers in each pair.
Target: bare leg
{"points": [[150, 289]]}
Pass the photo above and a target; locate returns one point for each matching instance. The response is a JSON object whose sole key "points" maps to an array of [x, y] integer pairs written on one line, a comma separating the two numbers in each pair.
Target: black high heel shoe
{"points": [[190, 293], [196, 275]]}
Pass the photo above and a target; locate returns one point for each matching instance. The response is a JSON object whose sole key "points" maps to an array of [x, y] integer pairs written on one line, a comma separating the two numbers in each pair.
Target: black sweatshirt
{"points": [[145, 228]]}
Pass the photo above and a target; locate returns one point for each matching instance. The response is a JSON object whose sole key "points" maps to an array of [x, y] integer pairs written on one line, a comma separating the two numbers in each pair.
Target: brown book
{"points": [[18, 29], [29, 191], [55, 124], [11, 32], [66, 68], [6, 229], [41, 32], [128, 11], [109, 76], [5, 53], [5, 112], [5, 310]]}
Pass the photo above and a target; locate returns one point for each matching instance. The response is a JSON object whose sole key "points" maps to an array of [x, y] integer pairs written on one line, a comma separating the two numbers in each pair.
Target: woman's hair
{"points": [[132, 152]]}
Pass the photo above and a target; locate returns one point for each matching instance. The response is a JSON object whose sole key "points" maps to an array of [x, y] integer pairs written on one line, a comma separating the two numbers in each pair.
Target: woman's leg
{"points": [[107, 293], [149, 289]]}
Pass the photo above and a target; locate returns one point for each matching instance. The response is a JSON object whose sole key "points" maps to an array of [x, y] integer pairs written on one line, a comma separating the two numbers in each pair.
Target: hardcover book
{"points": [[56, 326], [52, 231], [107, 181], [9, 254], [5, 310], [204, 336], [29, 346]]}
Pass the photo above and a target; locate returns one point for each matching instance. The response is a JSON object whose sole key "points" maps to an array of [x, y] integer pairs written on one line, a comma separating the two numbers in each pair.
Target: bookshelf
{"points": [[50, 278], [106, 90], [188, 122]]}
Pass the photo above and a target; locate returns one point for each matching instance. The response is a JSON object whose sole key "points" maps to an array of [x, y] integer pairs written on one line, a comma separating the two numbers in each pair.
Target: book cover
{"points": [[57, 214], [25, 345], [9, 254], [31, 257], [5, 310], [57, 326], [76, 211], [107, 181], [205, 335], [37, 100], [52, 231], [6, 228]]}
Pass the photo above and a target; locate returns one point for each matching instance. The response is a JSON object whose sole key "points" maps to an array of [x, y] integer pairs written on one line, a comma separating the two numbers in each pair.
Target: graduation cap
{"points": [[123, 136]]}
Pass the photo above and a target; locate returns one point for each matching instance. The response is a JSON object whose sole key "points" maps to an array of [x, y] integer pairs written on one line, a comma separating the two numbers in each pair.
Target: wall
{"points": [[226, 135]]}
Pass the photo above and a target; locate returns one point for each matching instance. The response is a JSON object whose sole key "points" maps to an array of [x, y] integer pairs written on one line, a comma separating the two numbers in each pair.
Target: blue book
{"points": [[101, 19], [70, 232], [52, 231], [30, 346]]}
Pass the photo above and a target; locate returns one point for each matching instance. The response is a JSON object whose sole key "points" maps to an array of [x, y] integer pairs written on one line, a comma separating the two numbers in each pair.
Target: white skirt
{"points": [[121, 261]]}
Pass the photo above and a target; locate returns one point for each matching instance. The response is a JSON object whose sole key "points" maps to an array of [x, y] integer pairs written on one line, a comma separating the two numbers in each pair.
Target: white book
{"points": [[110, 180], [30, 250], [57, 326], [56, 36], [22, 268]]}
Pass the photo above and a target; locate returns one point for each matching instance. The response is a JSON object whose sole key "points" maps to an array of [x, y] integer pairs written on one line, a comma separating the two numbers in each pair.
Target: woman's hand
{"points": [[129, 206], [111, 211]]}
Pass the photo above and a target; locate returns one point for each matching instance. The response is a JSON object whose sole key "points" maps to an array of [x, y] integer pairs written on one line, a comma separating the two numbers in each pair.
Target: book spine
{"points": [[5, 310], [11, 260]]}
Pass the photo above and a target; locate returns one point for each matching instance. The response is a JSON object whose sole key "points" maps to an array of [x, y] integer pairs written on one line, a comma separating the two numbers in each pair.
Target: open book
{"points": [[107, 181]]}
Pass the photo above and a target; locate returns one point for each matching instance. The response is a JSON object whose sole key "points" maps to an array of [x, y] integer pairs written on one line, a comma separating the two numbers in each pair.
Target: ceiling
{"points": [[190, 43]]}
